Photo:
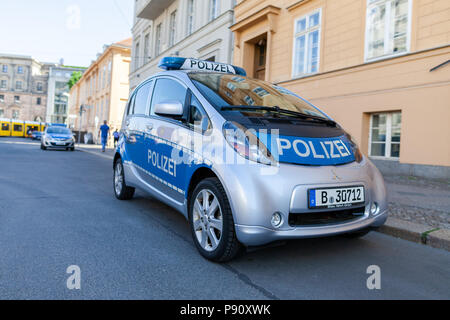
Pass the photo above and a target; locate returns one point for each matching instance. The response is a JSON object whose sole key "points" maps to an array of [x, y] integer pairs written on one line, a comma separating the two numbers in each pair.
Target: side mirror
{"points": [[170, 108]]}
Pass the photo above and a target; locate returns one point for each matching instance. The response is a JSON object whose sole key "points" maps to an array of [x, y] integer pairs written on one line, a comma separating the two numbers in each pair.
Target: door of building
{"points": [[260, 59]]}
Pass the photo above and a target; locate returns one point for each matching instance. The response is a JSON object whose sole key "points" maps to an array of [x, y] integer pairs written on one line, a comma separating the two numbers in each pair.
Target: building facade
{"points": [[23, 88], [102, 93], [379, 67], [186, 28]]}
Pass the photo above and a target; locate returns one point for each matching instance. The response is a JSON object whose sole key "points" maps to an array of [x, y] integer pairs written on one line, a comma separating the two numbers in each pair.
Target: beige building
{"points": [[23, 87], [379, 67], [102, 93]]}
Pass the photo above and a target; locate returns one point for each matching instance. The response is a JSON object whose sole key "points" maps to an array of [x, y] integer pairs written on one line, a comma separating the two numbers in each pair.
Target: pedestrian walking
{"points": [[116, 137], [104, 131]]}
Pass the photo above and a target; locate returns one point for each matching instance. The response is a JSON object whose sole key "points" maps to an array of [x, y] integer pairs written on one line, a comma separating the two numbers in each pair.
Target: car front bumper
{"points": [[256, 236], [254, 197], [57, 145]]}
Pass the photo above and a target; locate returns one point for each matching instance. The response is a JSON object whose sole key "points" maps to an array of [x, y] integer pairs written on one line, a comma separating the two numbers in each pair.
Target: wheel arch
{"points": [[116, 156]]}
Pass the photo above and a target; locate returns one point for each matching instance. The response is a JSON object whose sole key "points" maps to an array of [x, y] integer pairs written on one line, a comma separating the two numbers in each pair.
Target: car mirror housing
{"points": [[170, 108]]}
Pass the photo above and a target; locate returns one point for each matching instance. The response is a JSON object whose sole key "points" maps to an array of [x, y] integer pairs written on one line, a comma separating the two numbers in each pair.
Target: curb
{"points": [[433, 237], [95, 153]]}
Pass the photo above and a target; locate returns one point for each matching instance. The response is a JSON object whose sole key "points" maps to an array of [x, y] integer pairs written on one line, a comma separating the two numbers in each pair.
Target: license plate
{"points": [[60, 143], [335, 197]]}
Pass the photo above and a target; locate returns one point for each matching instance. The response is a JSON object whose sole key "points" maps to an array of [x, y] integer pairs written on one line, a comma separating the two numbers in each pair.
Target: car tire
{"points": [[357, 234], [72, 149], [211, 222], [121, 190], [43, 147]]}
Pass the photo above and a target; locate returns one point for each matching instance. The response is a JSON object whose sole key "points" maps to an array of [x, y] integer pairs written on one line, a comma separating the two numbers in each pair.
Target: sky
{"points": [[74, 30]]}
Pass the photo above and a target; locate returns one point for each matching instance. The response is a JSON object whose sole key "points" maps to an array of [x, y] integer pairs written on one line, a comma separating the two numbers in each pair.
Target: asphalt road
{"points": [[57, 209]]}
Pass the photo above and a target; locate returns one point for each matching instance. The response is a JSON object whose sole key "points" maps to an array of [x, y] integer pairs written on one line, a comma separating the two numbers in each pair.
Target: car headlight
{"points": [[246, 143], [355, 148]]}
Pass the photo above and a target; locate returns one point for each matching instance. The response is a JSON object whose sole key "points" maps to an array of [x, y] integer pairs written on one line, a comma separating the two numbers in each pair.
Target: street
{"points": [[58, 209]]}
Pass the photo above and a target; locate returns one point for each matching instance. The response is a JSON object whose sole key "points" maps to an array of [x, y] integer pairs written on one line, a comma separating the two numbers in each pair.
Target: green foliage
{"points": [[76, 76]]}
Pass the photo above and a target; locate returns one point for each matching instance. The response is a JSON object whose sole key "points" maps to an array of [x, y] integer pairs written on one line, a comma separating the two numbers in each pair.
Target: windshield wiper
{"points": [[279, 110]]}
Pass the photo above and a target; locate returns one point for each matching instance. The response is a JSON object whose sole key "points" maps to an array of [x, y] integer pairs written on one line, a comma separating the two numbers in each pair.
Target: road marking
{"points": [[19, 142], [96, 154]]}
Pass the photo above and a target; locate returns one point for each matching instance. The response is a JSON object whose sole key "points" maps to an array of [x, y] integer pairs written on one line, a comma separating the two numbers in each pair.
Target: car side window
{"points": [[198, 119], [141, 99], [131, 105], [167, 90]]}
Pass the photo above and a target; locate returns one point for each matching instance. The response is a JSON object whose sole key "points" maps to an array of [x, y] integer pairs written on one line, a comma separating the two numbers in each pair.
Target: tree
{"points": [[76, 76]]}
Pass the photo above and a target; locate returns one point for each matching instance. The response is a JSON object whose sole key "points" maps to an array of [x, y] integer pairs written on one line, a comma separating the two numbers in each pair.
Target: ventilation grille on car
{"points": [[325, 217]]}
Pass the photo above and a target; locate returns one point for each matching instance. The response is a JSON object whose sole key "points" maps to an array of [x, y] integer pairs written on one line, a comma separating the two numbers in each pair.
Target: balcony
{"points": [[151, 9]]}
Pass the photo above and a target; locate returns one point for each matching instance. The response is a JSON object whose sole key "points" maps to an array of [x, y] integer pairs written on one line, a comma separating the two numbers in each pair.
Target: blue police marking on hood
{"points": [[60, 136], [309, 151], [177, 63]]}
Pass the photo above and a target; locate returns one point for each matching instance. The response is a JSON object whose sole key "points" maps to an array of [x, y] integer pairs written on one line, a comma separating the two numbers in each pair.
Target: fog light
{"points": [[374, 208], [276, 220]]}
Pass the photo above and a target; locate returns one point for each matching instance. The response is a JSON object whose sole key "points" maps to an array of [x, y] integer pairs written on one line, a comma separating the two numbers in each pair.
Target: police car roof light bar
{"points": [[178, 63]]}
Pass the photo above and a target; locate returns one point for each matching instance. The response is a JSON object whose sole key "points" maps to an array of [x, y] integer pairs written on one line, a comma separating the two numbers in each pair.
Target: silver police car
{"points": [[57, 137], [245, 161]]}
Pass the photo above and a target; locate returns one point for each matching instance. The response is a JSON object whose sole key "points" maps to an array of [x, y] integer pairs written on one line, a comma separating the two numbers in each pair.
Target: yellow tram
{"points": [[5, 127], [19, 128]]}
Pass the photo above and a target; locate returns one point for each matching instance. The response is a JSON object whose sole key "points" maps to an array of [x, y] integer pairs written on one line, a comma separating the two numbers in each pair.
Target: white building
{"points": [[185, 28], [58, 93]]}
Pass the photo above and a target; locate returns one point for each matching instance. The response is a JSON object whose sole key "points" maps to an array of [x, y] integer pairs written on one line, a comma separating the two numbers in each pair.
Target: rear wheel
{"points": [[121, 190], [211, 221]]}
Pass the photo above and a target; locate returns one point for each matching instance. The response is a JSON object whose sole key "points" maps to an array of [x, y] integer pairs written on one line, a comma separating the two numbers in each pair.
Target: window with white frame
{"points": [[147, 47], [19, 85], [385, 129], [158, 39], [387, 27], [307, 44], [190, 17], [137, 63], [3, 84], [5, 68], [172, 28], [213, 9]]}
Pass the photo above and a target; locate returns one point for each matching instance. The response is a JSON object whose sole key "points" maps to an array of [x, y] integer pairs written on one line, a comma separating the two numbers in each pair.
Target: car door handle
{"points": [[149, 127]]}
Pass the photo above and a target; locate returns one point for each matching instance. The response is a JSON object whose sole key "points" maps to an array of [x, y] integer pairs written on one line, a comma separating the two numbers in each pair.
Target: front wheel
{"points": [[43, 147], [121, 190], [212, 223]]}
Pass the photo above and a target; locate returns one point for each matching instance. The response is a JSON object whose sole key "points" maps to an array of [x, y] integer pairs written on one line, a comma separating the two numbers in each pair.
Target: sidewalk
{"points": [[96, 150], [419, 209]]}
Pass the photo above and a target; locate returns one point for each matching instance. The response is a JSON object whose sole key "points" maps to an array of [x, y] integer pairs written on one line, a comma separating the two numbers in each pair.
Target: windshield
{"points": [[58, 130], [225, 90]]}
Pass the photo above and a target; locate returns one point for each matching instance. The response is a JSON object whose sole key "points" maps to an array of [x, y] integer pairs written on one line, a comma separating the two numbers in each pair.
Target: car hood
{"points": [[309, 151], [297, 141]]}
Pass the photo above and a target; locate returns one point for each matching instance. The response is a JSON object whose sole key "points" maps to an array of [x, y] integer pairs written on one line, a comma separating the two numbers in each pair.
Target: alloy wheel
{"points": [[207, 220]]}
